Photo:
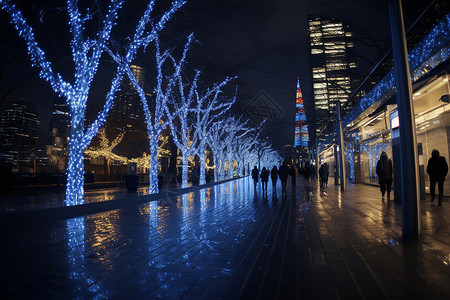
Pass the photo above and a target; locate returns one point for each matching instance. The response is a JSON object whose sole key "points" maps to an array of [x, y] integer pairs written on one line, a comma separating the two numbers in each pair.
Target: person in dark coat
{"points": [[274, 176], [293, 173], [264, 178], [437, 169], [307, 172], [283, 174], [384, 172], [323, 174], [255, 175]]}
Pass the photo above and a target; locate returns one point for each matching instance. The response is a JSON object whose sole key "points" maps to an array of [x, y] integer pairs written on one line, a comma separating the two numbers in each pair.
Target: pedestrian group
{"points": [[437, 169]]}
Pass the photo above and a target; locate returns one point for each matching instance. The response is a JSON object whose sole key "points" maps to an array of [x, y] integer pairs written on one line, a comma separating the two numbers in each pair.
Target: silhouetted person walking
{"points": [[293, 173], [307, 172], [274, 176], [264, 178], [283, 174], [437, 169], [323, 174], [384, 172], [255, 175]]}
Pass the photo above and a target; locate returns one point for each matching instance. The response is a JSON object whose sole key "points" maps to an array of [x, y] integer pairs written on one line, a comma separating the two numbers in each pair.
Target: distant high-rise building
{"points": [[19, 127], [301, 129], [60, 122], [59, 129], [127, 116], [128, 103], [329, 41]]}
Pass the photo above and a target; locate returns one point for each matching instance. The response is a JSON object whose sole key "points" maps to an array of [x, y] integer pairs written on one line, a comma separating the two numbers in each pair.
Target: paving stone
{"points": [[233, 245]]}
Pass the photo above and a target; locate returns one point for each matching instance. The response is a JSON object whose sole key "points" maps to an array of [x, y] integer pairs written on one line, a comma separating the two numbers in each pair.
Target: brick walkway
{"points": [[230, 242]]}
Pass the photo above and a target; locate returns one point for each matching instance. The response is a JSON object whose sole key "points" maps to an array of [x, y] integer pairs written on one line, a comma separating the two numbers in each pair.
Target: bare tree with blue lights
{"points": [[155, 120], [235, 129], [191, 111], [261, 148], [215, 139], [179, 111], [87, 51], [244, 147], [209, 107]]}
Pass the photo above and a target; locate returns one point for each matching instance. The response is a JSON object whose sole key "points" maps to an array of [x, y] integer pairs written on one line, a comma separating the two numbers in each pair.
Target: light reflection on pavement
{"points": [[182, 245]]}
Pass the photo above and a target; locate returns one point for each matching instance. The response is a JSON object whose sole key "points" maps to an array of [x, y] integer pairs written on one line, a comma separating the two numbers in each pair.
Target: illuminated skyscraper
{"points": [[128, 100], [329, 42], [57, 148], [19, 127], [301, 129], [127, 116]]}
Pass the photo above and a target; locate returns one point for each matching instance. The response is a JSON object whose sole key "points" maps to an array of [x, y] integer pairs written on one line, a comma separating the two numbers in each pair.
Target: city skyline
{"points": [[267, 70]]}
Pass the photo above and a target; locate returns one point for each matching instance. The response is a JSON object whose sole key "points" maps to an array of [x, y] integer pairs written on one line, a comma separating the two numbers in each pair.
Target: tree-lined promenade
{"points": [[197, 115]]}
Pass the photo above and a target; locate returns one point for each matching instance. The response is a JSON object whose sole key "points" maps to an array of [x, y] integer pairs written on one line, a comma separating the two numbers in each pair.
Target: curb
{"points": [[27, 218]]}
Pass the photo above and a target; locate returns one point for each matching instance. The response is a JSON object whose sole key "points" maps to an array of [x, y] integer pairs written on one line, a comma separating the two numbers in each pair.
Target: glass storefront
{"points": [[433, 123], [372, 134]]}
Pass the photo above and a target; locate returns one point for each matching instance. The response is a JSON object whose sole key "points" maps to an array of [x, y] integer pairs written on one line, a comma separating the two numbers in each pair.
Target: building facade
{"points": [[128, 104], [372, 125], [59, 129], [329, 42], [19, 127]]}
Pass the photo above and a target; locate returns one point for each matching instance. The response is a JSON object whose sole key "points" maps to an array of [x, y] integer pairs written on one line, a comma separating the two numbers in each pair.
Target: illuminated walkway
{"points": [[229, 242]]}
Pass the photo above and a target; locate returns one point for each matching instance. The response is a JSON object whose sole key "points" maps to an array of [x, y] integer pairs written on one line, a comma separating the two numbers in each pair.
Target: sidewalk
{"points": [[230, 241], [355, 250], [95, 200]]}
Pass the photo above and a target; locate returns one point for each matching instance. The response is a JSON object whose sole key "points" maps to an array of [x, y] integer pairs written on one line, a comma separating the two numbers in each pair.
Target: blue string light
{"points": [[86, 56], [425, 56]]}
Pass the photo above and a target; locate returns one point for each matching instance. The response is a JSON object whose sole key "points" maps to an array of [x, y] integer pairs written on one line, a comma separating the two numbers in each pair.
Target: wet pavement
{"points": [[46, 201], [231, 242]]}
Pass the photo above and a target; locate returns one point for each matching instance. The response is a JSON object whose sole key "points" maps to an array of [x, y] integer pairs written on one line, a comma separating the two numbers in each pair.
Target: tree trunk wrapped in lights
{"points": [[244, 146], [209, 107], [217, 144], [87, 52], [179, 112], [155, 120], [234, 129], [191, 111]]}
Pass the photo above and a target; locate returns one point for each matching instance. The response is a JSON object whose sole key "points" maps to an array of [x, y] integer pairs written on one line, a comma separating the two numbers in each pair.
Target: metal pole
{"points": [[336, 165], [317, 157], [408, 139], [342, 170]]}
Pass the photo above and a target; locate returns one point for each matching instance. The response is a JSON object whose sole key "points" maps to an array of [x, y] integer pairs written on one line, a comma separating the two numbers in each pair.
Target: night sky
{"points": [[263, 42]]}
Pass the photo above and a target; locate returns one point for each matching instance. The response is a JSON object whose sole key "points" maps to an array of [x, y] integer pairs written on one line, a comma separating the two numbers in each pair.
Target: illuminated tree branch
{"points": [[216, 142], [209, 108], [180, 114], [86, 54]]}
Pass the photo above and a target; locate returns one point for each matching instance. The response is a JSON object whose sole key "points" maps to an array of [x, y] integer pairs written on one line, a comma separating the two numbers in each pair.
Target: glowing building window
{"points": [[319, 76], [318, 70], [319, 85]]}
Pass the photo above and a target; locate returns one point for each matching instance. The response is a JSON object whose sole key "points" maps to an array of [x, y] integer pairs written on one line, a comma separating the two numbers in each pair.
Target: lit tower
{"points": [[301, 129], [332, 65]]}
